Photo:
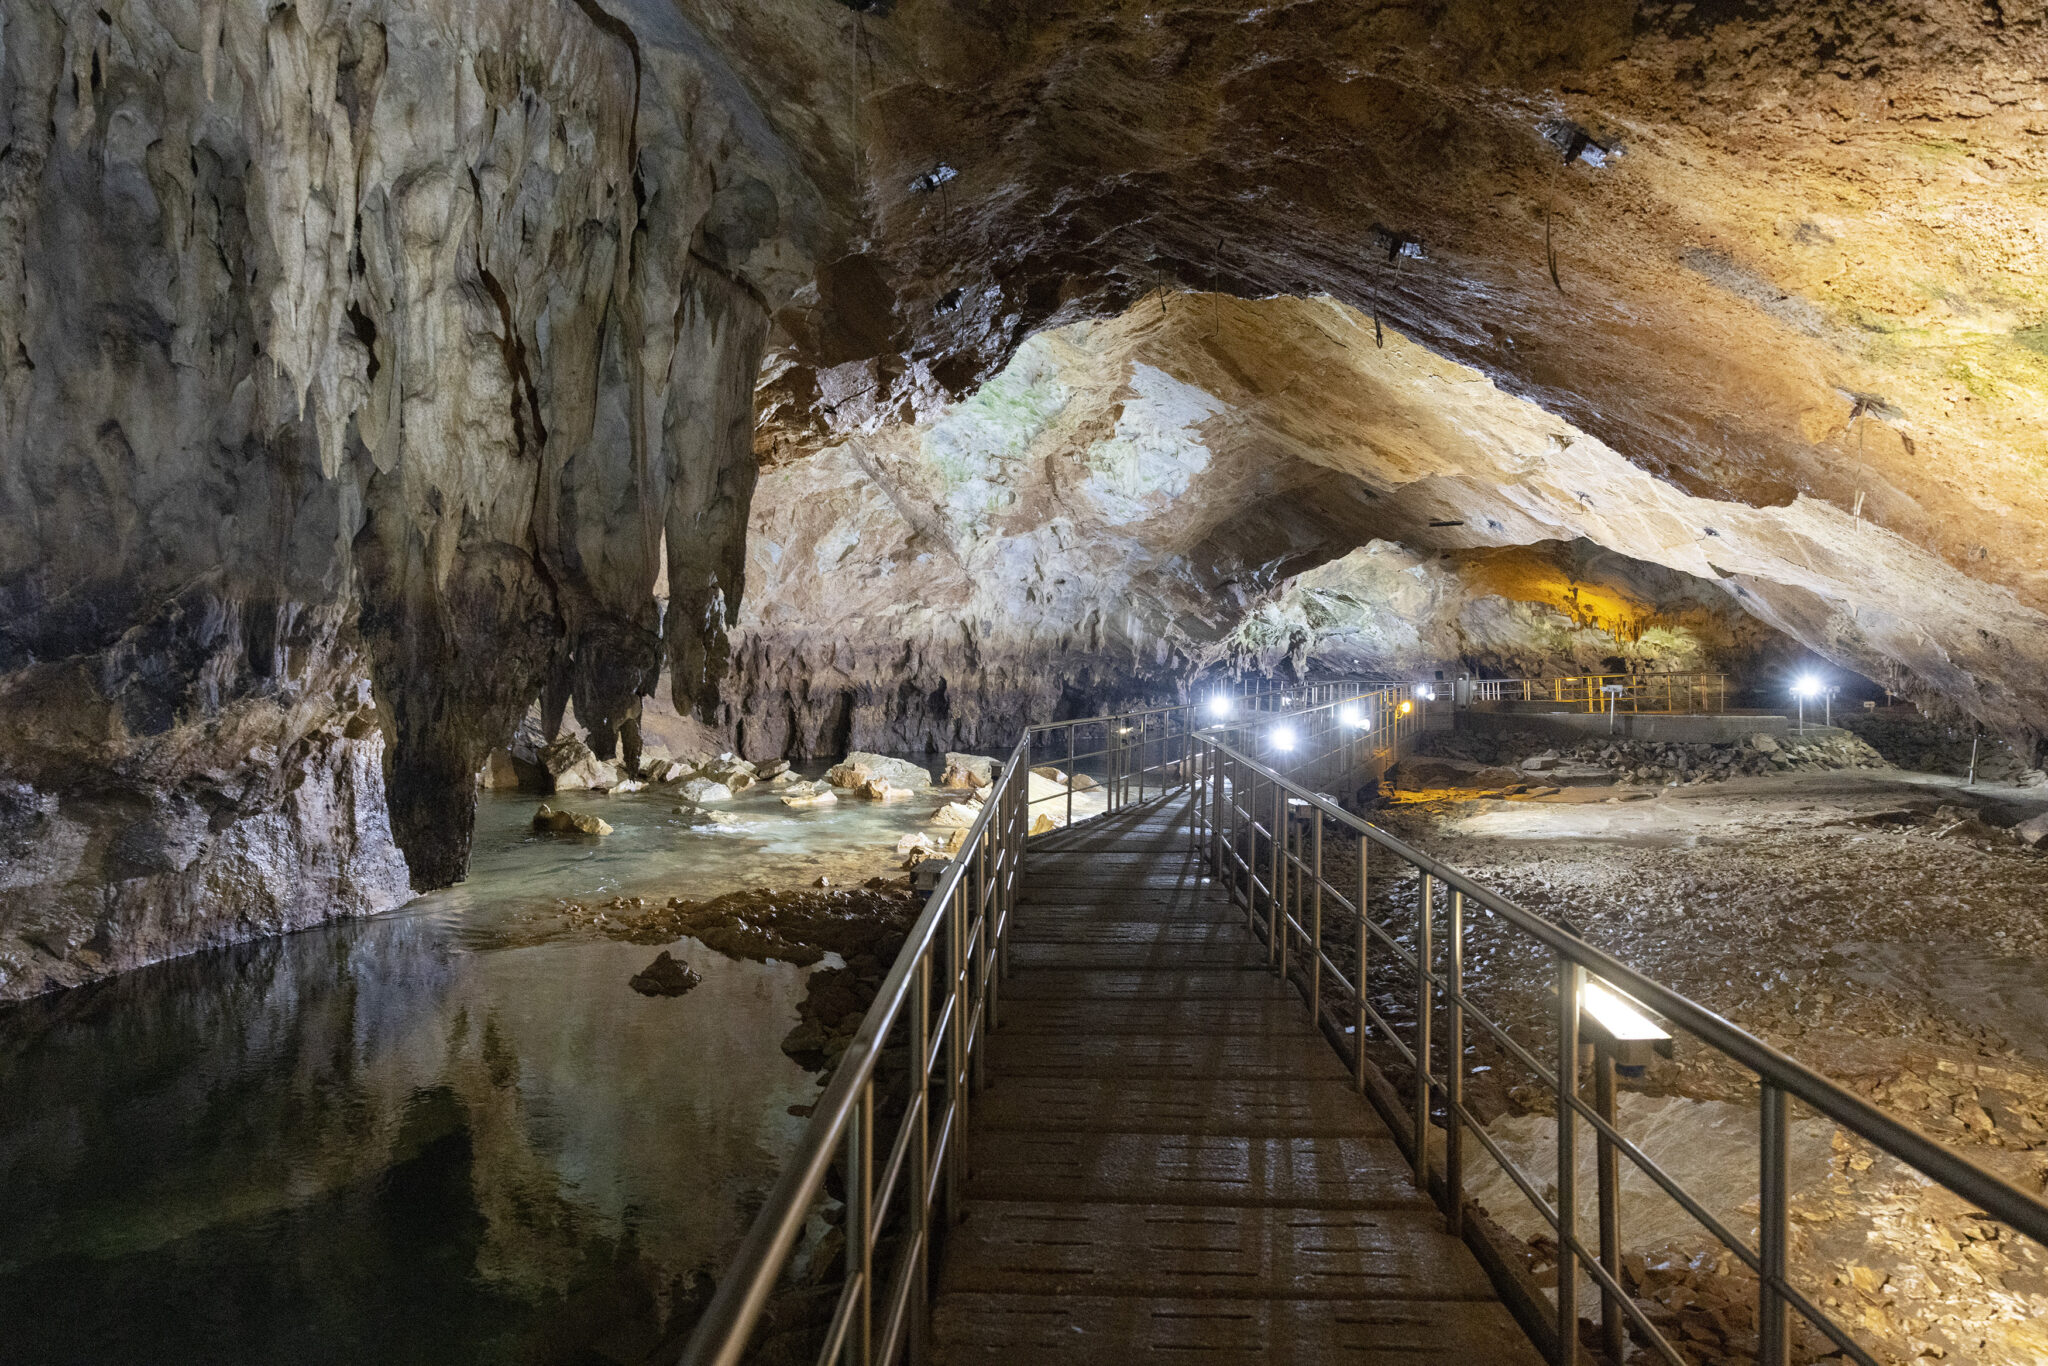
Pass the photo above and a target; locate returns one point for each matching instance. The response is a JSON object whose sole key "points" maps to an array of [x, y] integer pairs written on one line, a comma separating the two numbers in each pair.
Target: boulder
{"points": [[878, 790], [784, 779], [859, 766], [1083, 783], [969, 771], [958, 815], [1050, 774], [665, 976], [768, 772], [574, 768], [916, 840], [1042, 824], [2033, 833], [705, 790], [1763, 744], [1041, 788], [1539, 763], [551, 821], [809, 794], [625, 785]]}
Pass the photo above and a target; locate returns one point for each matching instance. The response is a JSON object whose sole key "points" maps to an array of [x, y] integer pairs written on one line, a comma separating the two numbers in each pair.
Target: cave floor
{"points": [[1879, 926]]}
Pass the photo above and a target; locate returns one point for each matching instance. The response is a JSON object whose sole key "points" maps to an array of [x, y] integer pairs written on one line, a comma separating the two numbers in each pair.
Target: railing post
{"points": [[956, 1053], [920, 1154], [1364, 936], [1607, 1169], [1278, 831], [1569, 975], [1424, 914], [1108, 792], [860, 1223], [1454, 1068], [1773, 1317], [1315, 934]]}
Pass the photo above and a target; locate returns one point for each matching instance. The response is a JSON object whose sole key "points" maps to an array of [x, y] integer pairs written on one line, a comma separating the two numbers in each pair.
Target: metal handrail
{"points": [[893, 1197], [1677, 691], [1243, 800]]}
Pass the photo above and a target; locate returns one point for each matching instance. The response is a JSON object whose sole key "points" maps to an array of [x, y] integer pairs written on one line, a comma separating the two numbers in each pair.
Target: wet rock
{"points": [[665, 976], [573, 768], [802, 795], [1425, 774], [1083, 783], [880, 790], [772, 770], [1050, 774], [706, 790], [969, 771], [560, 821], [859, 767], [956, 815]]}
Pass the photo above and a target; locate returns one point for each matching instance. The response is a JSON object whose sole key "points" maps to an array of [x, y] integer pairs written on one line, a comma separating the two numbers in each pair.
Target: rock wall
{"points": [[362, 367]]}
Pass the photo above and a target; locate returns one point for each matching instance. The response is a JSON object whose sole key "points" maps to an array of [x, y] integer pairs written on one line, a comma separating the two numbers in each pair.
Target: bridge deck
{"points": [[1169, 1162]]}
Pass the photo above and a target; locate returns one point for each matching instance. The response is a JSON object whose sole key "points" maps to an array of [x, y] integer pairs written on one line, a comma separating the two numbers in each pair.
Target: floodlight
{"points": [[1219, 706], [1352, 717], [1283, 738], [1807, 686]]}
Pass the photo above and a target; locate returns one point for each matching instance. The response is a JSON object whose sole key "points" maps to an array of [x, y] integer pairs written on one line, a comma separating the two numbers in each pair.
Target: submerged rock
{"points": [[809, 794], [665, 976], [878, 790], [556, 821]]}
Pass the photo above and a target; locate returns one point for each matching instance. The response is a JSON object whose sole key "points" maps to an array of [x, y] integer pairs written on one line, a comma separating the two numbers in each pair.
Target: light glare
{"points": [[1352, 717], [1807, 686], [1219, 707], [1283, 738]]}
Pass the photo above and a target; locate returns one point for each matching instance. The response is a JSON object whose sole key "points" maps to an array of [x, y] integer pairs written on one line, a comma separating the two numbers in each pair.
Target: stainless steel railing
{"points": [[1263, 833], [1651, 692], [886, 1139]]}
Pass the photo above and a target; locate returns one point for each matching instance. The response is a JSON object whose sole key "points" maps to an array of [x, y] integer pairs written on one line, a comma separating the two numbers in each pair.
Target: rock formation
{"points": [[370, 372], [363, 366]]}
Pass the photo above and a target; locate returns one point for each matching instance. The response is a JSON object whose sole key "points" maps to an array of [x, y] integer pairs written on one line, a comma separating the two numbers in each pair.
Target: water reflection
{"points": [[450, 1134]]}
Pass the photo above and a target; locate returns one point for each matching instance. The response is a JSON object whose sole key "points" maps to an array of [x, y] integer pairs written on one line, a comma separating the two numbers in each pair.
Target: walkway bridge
{"points": [[1121, 1097]]}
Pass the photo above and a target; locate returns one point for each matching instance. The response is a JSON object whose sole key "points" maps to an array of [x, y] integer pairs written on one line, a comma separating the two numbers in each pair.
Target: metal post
{"points": [[1454, 1070], [1773, 1319], [1613, 1326], [1358, 1059], [1315, 934], [956, 1054], [1070, 774], [860, 1221], [920, 1154], [1425, 913], [1274, 884], [1569, 975]]}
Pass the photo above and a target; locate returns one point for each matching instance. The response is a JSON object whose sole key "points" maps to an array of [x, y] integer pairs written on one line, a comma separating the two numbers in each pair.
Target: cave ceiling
{"points": [[1752, 290]]}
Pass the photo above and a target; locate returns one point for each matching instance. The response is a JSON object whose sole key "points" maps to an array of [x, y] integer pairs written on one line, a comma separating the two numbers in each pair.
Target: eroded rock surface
{"points": [[350, 349]]}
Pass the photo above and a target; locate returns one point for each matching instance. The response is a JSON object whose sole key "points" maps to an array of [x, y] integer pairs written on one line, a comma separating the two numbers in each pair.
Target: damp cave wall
{"points": [[362, 367]]}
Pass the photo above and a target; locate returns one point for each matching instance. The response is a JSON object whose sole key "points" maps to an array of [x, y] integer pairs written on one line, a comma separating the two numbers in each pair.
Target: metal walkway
{"points": [[1169, 1163]]}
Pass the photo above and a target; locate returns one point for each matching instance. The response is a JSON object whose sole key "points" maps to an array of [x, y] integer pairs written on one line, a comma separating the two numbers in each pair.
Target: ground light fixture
{"points": [[1283, 738], [1805, 686], [1620, 1023]]}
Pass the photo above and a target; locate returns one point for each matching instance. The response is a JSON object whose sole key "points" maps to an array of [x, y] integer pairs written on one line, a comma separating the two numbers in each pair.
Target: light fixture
{"points": [[1807, 686], [1351, 717], [1219, 706], [1283, 738], [1619, 1024], [1425, 692], [1407, 707]]}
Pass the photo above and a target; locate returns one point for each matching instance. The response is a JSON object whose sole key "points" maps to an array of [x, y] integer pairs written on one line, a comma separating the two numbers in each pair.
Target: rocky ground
{"points": [[1882, 926]]}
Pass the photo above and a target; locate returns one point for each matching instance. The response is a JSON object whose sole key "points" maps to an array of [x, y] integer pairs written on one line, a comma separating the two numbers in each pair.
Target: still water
{"points": [[448, 1134]]}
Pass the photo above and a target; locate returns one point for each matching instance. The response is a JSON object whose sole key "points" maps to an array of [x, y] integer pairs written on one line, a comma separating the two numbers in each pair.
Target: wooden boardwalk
{"points": [[1169, 1163]]}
